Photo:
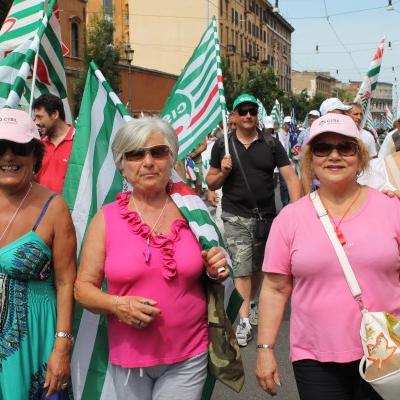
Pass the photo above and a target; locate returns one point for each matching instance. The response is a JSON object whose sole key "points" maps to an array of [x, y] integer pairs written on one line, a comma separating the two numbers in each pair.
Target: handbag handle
{"points": [[255, 208], [343, 260]]}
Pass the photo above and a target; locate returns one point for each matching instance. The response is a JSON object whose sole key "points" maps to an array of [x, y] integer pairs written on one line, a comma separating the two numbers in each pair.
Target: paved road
{"points": [[251, 389]]}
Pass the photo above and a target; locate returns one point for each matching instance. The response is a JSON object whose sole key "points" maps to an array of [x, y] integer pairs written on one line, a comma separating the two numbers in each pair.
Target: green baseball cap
{"points": [[244, 98]]}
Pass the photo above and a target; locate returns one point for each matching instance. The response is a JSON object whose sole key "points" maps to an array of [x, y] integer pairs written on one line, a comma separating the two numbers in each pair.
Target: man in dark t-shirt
{"points": [[259, 154]]}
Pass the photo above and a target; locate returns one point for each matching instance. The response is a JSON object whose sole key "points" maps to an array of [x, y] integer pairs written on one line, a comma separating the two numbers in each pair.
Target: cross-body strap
{"points": [[344, 261], [255, 206]]}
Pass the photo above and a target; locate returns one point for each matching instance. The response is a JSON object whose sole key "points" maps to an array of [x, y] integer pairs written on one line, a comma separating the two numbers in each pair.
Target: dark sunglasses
{"points": [[345, 148], [18, 149], [243, 111], [158, 152]]}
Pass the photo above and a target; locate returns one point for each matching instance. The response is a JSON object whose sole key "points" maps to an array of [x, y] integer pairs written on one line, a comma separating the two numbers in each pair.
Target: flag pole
{"points": [[33, 81], [225, 128], [35, 63]]}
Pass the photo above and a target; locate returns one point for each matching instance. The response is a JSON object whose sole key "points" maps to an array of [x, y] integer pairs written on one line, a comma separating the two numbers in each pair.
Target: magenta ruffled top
{"points": [[172, 277], [165, 242]]}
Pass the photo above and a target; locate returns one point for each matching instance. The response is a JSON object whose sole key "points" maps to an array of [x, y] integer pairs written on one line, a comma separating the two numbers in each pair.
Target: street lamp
{"points": [[276, 8], [129, 57], [389, 7]]}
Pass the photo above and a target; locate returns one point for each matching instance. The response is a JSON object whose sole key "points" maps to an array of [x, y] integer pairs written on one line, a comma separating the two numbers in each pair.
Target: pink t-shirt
{"points": [[172, 278], [325, 319]]}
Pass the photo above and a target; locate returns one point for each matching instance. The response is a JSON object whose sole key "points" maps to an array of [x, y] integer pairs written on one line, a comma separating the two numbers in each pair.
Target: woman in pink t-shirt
{"points": [[300, 262], [154, 268]]}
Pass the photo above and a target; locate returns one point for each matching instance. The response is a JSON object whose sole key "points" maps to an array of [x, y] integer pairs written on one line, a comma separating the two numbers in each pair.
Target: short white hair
{"points": [[136, 133]]}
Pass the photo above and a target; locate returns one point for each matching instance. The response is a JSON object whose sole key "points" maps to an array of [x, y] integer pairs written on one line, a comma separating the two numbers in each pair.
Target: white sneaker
{"points": [[253, 316], [243, 334]]}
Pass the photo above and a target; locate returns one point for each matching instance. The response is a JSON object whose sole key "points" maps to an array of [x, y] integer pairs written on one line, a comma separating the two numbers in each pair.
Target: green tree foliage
{"points": [[100, 48], [4, 7], [263, 84]]}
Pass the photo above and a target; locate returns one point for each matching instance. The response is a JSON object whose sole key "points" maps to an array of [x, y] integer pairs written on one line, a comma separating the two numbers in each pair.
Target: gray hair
{"points": [[136, 133]]}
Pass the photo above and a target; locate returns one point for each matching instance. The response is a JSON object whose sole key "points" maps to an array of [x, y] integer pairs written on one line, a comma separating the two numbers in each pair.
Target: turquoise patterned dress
{"points": [[27, 316]]}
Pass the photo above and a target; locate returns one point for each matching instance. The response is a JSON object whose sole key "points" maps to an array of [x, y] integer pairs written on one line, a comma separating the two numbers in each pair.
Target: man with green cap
{"points": [[259, 154]]}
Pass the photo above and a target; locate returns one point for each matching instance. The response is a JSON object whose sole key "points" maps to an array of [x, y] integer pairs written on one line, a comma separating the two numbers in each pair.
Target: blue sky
{"points": [[359, 28]]}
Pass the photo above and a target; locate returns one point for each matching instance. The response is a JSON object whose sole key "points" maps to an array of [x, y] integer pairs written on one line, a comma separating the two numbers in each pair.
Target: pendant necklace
{"points": [[339, 233], [15, 213], [147, 251]]}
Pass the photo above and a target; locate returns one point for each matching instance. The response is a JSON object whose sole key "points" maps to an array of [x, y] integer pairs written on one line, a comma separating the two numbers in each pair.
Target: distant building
{"points": [[313, 82], [381, 97], [165, 33], [251, 34]]}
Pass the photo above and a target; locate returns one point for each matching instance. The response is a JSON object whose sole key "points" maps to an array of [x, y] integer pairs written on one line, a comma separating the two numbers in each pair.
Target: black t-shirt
{"points": [[259, 162]]}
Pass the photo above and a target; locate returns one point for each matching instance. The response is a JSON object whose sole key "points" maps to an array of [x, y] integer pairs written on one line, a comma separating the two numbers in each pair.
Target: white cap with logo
{"points": [[17, 126], [333, 103]]}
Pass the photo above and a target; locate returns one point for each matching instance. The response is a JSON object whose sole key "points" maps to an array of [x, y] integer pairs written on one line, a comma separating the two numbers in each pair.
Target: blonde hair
{"points": [[307, 173], [136, 133]]}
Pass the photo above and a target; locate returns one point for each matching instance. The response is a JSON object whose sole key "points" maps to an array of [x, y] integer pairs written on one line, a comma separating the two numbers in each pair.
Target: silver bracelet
{"points": [[211, 277], [265, 346], [65, 335]]}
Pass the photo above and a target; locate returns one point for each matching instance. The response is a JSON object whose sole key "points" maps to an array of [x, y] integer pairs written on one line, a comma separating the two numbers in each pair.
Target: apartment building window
{"points": [[249, 27], [257, 9], [108, 8], [265, 37], [256, 31], [221, 31], [236, 18], [233, 36], [233, 16], [253, 29], [75, 39], [221, 7]]}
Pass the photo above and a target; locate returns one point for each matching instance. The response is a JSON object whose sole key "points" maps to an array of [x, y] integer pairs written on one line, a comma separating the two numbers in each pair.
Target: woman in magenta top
{"points": [[300, 261], [153, 265]]}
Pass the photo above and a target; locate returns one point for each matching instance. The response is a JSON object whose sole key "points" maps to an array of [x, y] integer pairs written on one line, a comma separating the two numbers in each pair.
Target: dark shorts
{"points": [[246, 251], [331, 381]]}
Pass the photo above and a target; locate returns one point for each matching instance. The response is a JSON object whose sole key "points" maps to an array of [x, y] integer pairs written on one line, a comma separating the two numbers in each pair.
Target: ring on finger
{"points": [[64, 385], [140, 324]]}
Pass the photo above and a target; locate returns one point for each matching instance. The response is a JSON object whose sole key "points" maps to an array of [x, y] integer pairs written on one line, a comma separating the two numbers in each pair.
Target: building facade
{"points": [[313, 82], [164, 34], [73, 22], [251, 34]]}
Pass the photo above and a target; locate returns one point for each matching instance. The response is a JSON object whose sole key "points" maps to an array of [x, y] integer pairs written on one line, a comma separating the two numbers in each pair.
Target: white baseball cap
{"points": [[287, 120], [17, 126], [314, 113], [333, 103], [268, 122], [334, 123]]}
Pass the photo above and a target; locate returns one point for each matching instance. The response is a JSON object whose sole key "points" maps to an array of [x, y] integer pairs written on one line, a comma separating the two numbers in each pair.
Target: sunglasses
{"points": [[345, 148], [158, 152], [18, 149], [243, 111]]}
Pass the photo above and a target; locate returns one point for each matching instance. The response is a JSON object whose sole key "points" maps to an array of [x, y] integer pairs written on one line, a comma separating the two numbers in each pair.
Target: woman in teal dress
{"points": [[37, 270]]}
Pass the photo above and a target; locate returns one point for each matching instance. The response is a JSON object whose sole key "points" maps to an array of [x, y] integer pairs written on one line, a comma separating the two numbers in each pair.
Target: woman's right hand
{"points": [[267, 371], [135, 310]]}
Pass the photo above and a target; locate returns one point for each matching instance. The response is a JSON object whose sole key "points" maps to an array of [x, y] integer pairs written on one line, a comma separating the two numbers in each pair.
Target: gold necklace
{"points": [[147, 251], [16, 212]]}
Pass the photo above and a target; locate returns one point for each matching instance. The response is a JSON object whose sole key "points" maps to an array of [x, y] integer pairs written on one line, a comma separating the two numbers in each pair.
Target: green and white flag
{"points": [[369, 83], [195, 105], [21, 28], [93, 180], [262, 113], [276, 112]]}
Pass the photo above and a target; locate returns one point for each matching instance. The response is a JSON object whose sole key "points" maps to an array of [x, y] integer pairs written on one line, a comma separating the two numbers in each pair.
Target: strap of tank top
{"points": [[44, 209]]}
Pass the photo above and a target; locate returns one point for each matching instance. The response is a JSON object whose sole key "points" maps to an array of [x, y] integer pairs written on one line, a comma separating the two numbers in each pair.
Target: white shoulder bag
{"points": [[380, 331]]}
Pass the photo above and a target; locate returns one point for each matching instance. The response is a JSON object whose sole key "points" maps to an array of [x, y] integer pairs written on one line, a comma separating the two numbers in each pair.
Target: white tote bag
{"points": [[379, 331]]}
